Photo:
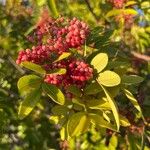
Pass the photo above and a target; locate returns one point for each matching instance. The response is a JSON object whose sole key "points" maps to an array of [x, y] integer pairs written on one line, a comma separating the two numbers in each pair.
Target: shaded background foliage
{"points": [[17, 20]]}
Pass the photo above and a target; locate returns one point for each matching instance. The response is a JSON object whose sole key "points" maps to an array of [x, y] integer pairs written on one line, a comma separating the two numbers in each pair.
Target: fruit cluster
{"points": [[77, 72], [53, 38], [118, 3]]}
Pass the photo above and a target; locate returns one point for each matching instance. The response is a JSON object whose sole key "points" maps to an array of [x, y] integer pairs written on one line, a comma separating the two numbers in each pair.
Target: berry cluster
{"points": [[57, 36], [65, 33], [77, 33], [53, 38], [37, 55], [80, 71], [77, 72], [118, 3]]}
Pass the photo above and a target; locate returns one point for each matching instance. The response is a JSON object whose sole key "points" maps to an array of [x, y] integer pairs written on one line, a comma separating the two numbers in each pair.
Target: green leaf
{"points": [[74, 90], [78, 123], [40, 3], [114, 91], [124, 121], [27, 83], [57, 71], [113, 107], [109, 78], [113, 12], [54, 119], [132, 142], [130, 11], [52, 8], [99, 62], [116, 12], [64, 133], [116, 64], [113, 142], [98, 104], [92, 88], [62, 56], [132, 79], [33, 67], [132, 99], [59, 110], [130, 3], [78, 101], [54, 93], [99, 121], [30, 101]]}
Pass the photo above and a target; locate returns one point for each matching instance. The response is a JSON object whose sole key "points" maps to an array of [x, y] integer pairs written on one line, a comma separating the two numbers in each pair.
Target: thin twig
{"points": [[15, 65], [140, 56], [91, 10]]}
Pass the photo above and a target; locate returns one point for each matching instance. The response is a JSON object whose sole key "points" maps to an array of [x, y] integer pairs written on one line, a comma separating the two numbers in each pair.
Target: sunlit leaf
{"points": [[129, 3], [99, 62], [116, 12], [27, 83], [124, 121], [78, 123], [57, 71], [99, 121], [132, 99], [54, 93], [53, 8], [30, 101], [98, 104], [113, 107], [64, 133], [109, 78], [113, 142], [54, 119], [59, 110], [63, 56], [33, 67]]}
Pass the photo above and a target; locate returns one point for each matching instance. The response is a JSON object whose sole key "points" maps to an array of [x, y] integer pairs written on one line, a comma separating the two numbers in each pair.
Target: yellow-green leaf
{"points": [[27, 83], [57, 71], [59, 110], [109, 78], [33, 67], [113, 142], [116, 12], [53, 8], [130, 11], [30, 101], [113, 107], [124, 121], [54, 119], [64, 133], [101, 104], [99, 62], [113, 12], [99, 121], [63, 56], [130, 3], [54, 93], [78, 101], [78, 123], [132, 99]]}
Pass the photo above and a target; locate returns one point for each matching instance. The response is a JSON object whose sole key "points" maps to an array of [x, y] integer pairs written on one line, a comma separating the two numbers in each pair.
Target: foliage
{"points": [[115, 99]]}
